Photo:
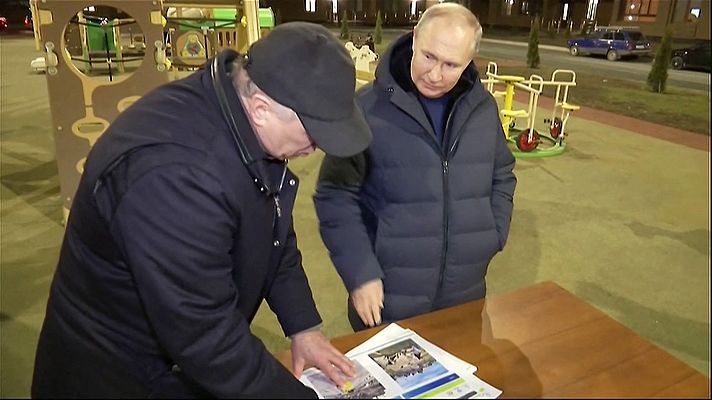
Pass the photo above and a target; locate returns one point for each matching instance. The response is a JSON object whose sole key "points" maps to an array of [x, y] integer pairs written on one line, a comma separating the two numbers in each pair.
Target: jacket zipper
{"points": [[277, 204], [443, 258], [275, 227], [446, 193]]}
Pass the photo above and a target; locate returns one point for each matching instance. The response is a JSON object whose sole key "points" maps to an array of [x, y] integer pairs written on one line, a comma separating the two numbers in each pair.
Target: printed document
{"points": [[398, 363]]}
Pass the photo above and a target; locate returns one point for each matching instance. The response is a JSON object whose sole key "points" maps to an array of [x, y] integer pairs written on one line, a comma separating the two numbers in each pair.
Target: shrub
{"points": [[657, 78], [533, 51], [344, 26], [378, 29]]}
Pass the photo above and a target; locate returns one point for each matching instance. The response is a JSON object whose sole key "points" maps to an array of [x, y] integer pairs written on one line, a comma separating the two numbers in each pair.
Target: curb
{"points": [[523, 44], [681, 137]]}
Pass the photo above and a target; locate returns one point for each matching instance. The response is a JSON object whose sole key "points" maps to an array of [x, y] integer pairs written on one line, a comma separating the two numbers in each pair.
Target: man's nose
{"points": [[435, 74]]}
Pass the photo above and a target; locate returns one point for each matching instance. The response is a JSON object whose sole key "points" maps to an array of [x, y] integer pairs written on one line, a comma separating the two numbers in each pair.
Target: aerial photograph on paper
{"points": [[362, 386], [407, 363]]}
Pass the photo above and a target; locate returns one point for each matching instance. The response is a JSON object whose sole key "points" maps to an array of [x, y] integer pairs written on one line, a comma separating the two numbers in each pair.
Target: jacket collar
{"points": [[258, 163]]}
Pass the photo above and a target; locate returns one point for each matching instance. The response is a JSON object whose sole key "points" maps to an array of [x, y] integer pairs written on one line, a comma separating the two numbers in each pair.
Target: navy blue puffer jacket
{"points": [[424, 217]]}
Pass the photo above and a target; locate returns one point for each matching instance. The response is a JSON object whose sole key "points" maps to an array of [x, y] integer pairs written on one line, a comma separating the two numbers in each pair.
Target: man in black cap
{"points": [[182, 225]]}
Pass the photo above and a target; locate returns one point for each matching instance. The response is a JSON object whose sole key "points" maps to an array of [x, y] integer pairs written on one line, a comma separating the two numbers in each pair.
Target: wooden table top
{"points": [[542, 341]]}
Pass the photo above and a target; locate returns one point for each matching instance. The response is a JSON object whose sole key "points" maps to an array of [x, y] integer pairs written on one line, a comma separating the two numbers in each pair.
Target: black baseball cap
{"points": [[302, 66]]}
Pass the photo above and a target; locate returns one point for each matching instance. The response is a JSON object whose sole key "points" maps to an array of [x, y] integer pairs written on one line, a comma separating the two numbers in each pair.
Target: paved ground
{"points": [[621, 220]]}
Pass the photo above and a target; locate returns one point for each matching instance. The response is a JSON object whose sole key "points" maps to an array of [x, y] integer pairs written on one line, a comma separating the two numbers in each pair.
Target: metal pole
{"points": [[108, 55]]}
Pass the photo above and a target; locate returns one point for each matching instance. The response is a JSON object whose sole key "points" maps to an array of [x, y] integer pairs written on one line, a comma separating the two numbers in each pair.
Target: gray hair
{"points": [[450, 10], [246, 88]]}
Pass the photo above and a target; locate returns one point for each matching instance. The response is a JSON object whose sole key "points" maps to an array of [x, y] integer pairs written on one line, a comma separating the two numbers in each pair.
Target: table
{"points": [[542, 341]]}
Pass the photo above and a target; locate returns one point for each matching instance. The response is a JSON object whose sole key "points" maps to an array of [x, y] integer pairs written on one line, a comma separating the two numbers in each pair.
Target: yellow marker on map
{"points": [[347, 387]]}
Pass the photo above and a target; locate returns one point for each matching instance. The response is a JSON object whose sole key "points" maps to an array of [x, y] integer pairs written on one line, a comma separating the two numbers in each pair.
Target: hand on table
{"points": [[313, 348]]}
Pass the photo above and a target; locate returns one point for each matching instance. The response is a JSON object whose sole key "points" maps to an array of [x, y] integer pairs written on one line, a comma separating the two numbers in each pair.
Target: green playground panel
{"points": [[96, 39], [555, 147], [265, 17], [540, 153]]}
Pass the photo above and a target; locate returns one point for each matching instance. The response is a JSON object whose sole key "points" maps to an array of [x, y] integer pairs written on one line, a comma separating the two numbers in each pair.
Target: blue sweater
{"points": [[437, 110]]}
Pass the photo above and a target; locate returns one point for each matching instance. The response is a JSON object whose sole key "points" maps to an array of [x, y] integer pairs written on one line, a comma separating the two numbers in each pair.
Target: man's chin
{"points": [[430, 93]]}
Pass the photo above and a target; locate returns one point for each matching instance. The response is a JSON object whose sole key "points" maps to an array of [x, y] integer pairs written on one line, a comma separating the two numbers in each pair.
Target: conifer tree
{"points": [[657, 77], [378, 29], [344, 26], [533, 51]]}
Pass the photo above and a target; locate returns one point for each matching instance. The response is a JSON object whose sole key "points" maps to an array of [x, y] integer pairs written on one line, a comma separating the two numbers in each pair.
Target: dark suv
{"points": [[695, 57], [612, 41]]}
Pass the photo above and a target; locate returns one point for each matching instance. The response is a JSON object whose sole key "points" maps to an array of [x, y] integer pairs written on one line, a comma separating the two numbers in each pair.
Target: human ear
{"points": [[259, 108]]}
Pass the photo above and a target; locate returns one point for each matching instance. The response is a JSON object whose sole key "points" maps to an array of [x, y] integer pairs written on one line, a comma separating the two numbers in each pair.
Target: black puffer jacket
{"points": [[425, 218], [169, 250]]}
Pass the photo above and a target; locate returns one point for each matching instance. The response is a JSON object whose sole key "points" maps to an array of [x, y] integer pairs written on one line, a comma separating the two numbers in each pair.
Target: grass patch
{"points": [[683, 109]]}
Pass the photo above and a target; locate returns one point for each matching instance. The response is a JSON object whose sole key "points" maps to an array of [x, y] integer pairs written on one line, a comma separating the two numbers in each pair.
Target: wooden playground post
{"points": [[116, 29], [251, 10], [84, 39]]}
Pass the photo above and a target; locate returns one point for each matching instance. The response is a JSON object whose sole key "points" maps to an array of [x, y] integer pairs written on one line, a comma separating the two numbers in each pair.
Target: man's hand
{"points": [[368, 301], [312, 348]]}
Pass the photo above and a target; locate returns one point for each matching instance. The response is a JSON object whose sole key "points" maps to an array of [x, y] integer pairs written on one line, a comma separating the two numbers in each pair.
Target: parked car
{"points": [[695, 57], [614, 42], [3, 23]]}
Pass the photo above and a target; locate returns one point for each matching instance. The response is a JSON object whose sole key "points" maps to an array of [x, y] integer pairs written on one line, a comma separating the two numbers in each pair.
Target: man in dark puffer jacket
{"points": [[412, 223]]}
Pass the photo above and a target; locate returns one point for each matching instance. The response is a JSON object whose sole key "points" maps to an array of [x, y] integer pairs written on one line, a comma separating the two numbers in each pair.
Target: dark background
{"points": [[15, 11]]}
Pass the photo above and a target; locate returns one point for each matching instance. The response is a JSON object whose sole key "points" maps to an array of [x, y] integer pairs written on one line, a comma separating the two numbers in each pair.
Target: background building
{"points": [[689, 19]]}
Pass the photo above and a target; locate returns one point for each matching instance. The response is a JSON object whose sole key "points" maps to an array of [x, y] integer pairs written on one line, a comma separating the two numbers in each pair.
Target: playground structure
{"points": [[528, 142], [137, 44], [196, 34], [111, 39], [362, 56]]}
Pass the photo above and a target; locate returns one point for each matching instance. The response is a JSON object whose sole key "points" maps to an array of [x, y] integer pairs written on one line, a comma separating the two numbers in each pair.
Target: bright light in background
{"points": [[413, 6], [335, 6], [591, 10], [695, 12], [310, 5], [566, 11]]}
